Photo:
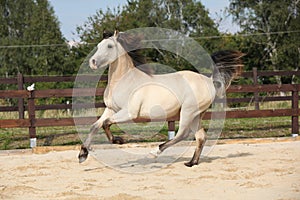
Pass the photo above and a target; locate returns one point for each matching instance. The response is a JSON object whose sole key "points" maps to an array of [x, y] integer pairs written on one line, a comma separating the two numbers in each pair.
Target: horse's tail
{"points": [[228, 65]]}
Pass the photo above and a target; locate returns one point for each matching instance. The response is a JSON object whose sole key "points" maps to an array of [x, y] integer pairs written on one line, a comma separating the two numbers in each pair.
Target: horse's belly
{"points": [[155, 102]]}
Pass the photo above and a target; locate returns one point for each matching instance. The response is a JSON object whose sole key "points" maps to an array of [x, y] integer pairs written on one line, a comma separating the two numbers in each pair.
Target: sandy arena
{"points": [[231, 171]]}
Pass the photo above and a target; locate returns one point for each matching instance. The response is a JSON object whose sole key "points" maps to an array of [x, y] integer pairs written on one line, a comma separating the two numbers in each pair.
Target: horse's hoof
{"points": [[83, 154], [155, 152], [118, 140], [82, 159], [190, 164]]}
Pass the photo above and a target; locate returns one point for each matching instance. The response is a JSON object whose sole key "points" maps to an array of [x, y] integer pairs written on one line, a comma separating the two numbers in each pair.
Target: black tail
{"points": [[229, 65]]}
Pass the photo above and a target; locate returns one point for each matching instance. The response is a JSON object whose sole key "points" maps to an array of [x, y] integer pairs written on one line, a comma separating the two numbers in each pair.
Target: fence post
{"points": [[171, 130], [31, 113], [295, 108], [255, 82], [20, 79]]}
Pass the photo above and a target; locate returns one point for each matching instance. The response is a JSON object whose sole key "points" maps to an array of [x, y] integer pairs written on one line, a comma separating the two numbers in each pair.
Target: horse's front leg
{"points": [[121, 116], [83, 154], [113, 139]]}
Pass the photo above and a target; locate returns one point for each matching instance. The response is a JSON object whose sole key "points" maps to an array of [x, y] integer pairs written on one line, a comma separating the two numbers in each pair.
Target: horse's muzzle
{"points": [[93, 63]]}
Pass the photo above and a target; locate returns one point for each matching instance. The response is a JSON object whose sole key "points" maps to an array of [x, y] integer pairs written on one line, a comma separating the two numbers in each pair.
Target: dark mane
{"points": [[132, 45], [106, 34]]}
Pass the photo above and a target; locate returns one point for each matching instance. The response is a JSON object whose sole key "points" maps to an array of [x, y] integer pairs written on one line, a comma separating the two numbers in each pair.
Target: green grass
{"points": [[257, 127], [17, 138]]}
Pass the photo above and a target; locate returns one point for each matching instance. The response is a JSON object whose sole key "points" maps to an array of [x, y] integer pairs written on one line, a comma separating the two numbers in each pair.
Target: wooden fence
{"points": [[31, 122]]}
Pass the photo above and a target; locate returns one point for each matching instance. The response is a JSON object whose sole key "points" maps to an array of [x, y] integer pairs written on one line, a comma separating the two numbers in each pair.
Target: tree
{"points": [[186, 16], [278, 22], [31, 23]]}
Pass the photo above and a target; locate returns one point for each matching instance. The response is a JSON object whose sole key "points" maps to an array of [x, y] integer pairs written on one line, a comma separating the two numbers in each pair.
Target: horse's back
{"points": [[190, 87], [201, 85]]}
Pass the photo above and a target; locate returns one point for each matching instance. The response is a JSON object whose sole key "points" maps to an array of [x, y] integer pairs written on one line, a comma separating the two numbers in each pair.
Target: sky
{"points": [[73, 13]]}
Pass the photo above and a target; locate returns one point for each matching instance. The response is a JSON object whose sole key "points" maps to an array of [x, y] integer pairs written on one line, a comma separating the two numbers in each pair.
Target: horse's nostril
{"points": [[94, 62]]}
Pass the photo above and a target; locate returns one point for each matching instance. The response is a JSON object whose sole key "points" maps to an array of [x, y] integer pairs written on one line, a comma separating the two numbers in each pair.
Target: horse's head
{"points": [[108, 50]]}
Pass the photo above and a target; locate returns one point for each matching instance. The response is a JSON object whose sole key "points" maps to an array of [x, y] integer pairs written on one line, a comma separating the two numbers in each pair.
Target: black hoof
{"points": [[118, 140], [83, 154], [190, 164], [82, 159]]}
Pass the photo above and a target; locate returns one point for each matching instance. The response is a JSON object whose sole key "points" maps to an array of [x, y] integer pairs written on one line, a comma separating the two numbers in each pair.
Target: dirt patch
{"points": [[230, 171]]}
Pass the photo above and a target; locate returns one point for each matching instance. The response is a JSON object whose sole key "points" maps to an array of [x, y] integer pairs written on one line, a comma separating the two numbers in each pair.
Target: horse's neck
{"points": [[119, 68]]}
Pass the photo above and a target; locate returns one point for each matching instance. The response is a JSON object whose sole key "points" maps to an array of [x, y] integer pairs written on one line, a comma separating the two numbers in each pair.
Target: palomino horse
{"points": [[133, 94]]}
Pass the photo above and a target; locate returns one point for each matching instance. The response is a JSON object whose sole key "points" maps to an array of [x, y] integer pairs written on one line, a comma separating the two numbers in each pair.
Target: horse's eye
{"points": [[109, 46]]}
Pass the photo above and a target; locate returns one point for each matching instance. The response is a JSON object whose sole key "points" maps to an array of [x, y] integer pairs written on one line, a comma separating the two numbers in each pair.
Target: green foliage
{"points": [[270, 51], [31, 22], [189, 17]]}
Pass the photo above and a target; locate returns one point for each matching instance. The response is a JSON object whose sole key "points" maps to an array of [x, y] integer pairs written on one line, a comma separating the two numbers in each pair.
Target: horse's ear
{"points": [[106, 34], [116, 33]]}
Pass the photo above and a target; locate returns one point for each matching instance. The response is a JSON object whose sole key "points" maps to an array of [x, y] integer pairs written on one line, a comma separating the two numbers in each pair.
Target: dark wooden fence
{"points": [[26, 100]]}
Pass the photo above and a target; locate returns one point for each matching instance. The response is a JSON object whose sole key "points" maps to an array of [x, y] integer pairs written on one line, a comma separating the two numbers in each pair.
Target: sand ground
{"points": [[230, 171]]}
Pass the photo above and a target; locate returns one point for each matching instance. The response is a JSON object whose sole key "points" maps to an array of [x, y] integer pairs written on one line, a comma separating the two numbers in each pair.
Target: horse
{"points": [[132, 93]]}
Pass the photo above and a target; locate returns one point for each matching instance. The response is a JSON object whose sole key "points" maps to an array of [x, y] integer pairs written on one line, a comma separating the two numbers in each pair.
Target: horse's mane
{"points": [[132, 45]]}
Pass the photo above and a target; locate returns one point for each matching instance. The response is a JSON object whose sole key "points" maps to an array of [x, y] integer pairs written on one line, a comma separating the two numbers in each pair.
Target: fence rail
{"points": [[32, 121]]}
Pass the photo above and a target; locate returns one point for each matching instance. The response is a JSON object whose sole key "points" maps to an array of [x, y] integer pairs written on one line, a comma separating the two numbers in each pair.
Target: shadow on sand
{"points": [[146, 164]]}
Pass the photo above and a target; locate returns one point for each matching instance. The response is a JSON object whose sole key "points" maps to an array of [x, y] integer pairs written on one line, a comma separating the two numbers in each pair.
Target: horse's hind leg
{"points": [[181, 135], [186, 125], [200, 141]]}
